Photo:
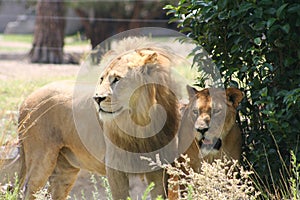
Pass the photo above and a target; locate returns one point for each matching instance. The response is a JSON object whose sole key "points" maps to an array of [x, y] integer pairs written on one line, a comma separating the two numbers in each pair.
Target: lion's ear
{"points": [[147, 63], [191, 91], [151, 58], [235, 96]]}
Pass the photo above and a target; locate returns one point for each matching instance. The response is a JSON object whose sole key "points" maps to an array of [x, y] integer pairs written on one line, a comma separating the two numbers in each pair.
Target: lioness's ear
{"points": [[235, 96], [191, 91]]}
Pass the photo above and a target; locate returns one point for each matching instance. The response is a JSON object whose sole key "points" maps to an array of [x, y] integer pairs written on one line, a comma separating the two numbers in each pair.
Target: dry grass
{"points": [[220, 180]]}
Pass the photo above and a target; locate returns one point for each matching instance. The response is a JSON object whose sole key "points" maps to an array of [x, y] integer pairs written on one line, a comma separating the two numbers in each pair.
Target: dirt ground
{"points": [[17, 66]]}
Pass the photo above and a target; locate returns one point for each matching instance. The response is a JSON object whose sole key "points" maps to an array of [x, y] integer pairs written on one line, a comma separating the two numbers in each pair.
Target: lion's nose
{"points": [[98, 99]]}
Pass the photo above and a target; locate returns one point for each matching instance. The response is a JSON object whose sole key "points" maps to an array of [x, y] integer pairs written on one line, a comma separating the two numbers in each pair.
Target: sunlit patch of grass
{"points": [[12, 94], [75, 39], [25, 38]]}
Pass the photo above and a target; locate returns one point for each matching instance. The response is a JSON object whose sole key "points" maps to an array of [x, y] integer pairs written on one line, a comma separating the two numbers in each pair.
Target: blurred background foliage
{"points": [[256, 47]]}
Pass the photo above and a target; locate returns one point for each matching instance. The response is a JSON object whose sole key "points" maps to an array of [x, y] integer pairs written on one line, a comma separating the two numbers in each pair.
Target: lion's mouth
{"points": [[101, 110], [216, 143]]}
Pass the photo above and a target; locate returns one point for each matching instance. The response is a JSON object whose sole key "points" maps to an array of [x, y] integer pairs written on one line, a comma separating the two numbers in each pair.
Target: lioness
{"points": [[138, 115], [209, 121]]}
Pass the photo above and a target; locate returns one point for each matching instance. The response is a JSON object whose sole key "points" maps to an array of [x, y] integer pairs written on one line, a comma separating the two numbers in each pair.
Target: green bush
{"points": [[256, 47]]}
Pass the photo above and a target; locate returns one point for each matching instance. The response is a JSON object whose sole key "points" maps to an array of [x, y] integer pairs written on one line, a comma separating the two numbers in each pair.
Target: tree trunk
{"points": [[49, 32], [138, 5], [97, 31]]}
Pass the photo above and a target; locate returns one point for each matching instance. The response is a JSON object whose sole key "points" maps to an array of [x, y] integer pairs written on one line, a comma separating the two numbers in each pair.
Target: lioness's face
{"points": [[213, 113]]}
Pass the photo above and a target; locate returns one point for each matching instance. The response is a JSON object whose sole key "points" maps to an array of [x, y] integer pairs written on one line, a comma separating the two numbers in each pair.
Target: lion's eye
{"points": [[114, 80], [101, 80]]}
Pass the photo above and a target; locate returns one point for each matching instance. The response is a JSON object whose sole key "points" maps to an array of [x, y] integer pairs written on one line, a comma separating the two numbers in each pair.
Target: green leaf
{"points": [[270, 11], [294, 8], [258, 13], [222, 4], [279, 43], [270, 22], [259, 26], [183, 10], [269, 66], [186, 29], [173, 20], [234, 48], [298, 22], [289, 61], [169, 7], [273, 29], [286, 28], [223, 15], [244, 68], [171, 12], [257, 41], [265, 2], [280, 9], [245, 6]]}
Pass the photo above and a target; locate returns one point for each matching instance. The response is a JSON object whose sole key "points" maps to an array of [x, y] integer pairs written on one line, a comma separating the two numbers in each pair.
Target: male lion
{"points": [[209, 121], [137, 106]]}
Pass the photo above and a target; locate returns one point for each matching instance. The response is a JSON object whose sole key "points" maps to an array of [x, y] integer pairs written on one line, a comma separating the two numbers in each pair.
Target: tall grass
{"points": [[9, 191], [289, 185], [12, 94], [222, 179], [219, 180]]}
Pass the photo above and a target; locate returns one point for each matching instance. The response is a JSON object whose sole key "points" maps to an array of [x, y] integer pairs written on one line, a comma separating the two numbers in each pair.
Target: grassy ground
{"points": [[18, 79], [16, 43], [12, 94]]}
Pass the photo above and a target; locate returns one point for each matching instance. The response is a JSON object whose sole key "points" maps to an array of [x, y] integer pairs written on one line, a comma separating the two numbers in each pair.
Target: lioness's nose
{"points": [[98, 99], [202, 130]]}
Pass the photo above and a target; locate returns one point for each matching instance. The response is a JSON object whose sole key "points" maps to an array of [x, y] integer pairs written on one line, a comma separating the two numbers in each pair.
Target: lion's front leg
{"points": [[118, 182], [157, 177]]}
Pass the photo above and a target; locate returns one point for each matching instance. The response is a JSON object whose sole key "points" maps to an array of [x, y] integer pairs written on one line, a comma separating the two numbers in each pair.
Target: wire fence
{"points": [[103, 19], [31, 16], [84, 1]]}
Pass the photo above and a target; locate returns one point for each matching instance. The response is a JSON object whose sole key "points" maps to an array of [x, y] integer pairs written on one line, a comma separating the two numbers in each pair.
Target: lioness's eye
{"points": [[195, 112], [216, 111]]}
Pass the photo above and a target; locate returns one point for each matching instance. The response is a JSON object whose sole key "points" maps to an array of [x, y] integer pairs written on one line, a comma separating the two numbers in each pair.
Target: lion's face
{"points": [[119, 83], [213, 114]]}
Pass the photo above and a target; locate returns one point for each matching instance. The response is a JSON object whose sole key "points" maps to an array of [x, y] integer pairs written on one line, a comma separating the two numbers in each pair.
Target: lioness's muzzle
{"points": [[215, 144]]}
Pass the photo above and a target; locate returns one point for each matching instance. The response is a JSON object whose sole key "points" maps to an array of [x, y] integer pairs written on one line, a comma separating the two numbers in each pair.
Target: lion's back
{"points": [[51, 103]]}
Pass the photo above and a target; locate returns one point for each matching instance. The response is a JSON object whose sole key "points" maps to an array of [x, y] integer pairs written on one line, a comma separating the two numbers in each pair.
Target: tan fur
{"points": [[51, 147], [142, 85], [49, 142], [214, 109]]}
